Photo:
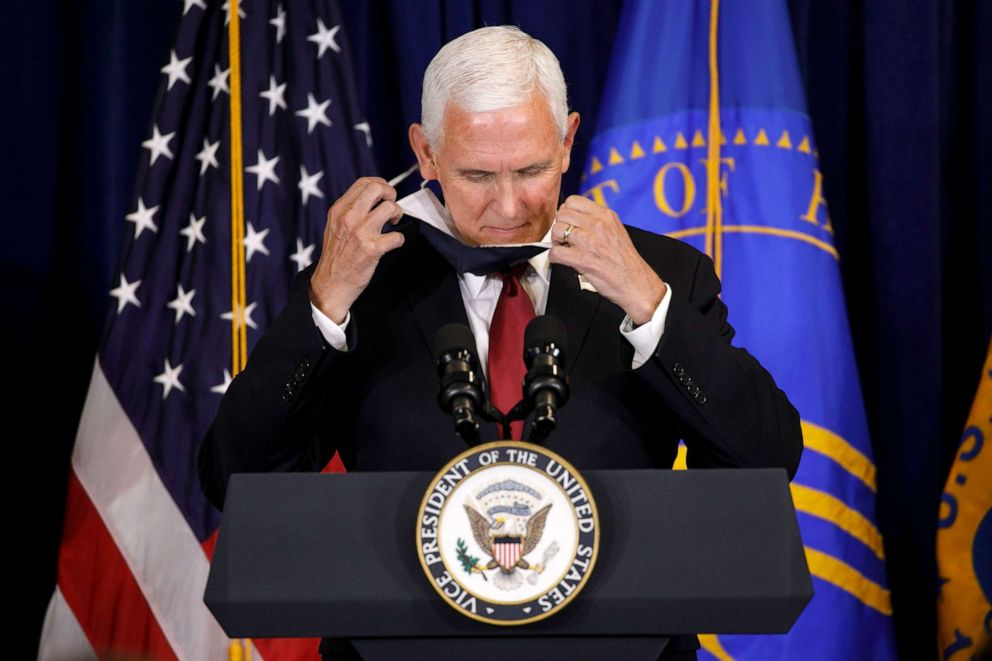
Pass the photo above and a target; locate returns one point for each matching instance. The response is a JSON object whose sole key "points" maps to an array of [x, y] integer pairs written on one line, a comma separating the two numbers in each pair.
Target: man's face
{"points": [[500, 171]]}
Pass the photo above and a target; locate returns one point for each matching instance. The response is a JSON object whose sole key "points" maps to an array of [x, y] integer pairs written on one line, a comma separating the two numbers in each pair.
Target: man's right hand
{"points": [[353, 245]]}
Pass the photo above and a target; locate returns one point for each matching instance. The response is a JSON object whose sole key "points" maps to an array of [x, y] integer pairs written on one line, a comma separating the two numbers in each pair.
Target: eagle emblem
{"points": [[507, 533]]}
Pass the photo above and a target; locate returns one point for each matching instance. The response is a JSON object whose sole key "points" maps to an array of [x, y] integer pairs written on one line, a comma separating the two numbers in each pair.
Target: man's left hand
{"points": [[591, 239]]}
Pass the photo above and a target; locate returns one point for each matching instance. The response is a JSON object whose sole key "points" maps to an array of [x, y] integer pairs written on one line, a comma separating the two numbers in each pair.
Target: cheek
{"points": [[467, 198], [540, 195]]}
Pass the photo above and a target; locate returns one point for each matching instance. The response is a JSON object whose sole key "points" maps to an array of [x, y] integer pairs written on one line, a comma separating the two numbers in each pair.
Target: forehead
{"points": [[508, 138]]}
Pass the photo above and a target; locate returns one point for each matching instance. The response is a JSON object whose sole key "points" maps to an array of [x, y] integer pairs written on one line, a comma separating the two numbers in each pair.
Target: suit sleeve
{"points": [[729, 409], [271, 415]]}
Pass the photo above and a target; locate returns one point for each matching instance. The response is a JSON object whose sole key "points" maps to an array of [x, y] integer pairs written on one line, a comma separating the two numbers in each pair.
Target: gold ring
{"points": [[564, 237]]}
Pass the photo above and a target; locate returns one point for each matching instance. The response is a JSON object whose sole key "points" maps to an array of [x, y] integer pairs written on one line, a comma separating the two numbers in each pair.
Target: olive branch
{"points": [[469, 562]]}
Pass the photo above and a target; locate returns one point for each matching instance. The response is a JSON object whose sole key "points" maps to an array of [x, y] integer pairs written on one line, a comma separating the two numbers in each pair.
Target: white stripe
{"points": [[62, 639], [160, 549]]}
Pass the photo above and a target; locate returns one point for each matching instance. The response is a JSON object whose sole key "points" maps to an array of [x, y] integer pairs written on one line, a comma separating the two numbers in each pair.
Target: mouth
{"points": [[503, 231]]}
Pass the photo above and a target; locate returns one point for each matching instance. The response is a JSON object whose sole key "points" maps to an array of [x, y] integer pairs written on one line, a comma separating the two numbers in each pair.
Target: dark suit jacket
{"points": [[298, 400]]}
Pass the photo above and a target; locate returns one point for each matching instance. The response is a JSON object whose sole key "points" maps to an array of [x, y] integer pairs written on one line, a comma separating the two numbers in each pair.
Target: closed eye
{"points": [[476, 176], [484, 176], [534, 170]]}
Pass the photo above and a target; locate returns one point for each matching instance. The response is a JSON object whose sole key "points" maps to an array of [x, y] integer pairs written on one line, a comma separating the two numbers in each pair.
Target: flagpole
{"points": [[714, 210], [239, 333]]}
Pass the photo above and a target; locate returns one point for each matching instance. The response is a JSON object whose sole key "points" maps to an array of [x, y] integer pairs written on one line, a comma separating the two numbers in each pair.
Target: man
{"points": [[347, 365]]}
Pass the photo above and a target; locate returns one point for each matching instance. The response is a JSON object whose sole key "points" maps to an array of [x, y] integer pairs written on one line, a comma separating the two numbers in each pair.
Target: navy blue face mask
{"points": [[438, 229]]}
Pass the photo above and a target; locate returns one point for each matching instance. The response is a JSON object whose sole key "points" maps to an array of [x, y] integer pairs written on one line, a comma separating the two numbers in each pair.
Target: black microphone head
{"points": [[543, 333], [452, 338]]}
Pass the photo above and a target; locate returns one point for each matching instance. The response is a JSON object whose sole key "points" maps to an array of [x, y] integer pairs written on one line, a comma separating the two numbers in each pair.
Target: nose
{"points": [[506, 200]]}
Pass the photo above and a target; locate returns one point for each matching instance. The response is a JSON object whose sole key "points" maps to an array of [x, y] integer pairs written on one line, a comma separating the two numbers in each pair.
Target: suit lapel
{"points": [[435, 298], [574, 307]]}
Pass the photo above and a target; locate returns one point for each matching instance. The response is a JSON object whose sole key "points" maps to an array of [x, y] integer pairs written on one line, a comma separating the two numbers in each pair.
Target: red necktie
{"points": [[514, 310]]}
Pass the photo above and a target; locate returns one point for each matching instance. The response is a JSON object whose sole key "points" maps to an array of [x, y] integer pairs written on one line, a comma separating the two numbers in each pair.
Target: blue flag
{"points": [[703, 135]]}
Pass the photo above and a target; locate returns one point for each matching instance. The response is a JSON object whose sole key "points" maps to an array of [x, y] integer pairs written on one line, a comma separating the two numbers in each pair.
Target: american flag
{"points": [[138, 531]]}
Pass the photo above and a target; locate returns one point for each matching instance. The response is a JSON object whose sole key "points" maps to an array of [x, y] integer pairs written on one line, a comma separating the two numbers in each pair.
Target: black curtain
{"points": [[77, 85], [900, 93], [898, 90]]}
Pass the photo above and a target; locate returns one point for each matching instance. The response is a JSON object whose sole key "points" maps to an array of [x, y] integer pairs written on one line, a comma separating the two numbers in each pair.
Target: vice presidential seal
{"points": [[508, 533]]}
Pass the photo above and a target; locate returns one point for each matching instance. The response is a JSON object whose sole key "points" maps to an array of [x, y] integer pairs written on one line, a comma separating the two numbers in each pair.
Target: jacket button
{"points": [[287, 396], [678, 369], [305, 364], [693, 389], [300, 374], [685, 379], [700, 398]]}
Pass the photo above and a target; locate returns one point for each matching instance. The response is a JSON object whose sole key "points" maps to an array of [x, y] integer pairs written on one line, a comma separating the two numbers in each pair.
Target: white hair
{"points": [[490, 69]]}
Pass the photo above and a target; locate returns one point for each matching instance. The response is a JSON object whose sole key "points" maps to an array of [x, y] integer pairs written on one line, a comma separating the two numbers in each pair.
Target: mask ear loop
{"points": [[400, 177], [424, 184]]}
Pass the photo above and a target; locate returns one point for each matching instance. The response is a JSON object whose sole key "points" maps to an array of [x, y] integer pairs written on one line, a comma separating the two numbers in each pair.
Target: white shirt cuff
{"points": [[645, 338], [332, 332]]}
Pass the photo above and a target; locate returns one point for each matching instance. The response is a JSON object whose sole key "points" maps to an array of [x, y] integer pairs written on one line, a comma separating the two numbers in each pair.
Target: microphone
{"points": [[545, 384], [460, 393]]}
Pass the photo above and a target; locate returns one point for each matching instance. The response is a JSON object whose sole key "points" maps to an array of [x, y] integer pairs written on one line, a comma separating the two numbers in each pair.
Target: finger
{"points": [[566, 234], [577, 217], [364, 216], [386, 212], [341, 207], [377, 191], [587, 213], [389, 241], [582, 204], [355, 190], [566, 257]]}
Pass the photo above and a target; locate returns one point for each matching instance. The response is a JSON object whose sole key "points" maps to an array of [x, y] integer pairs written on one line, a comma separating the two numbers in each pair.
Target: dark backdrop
{"points": [[899, 93]]}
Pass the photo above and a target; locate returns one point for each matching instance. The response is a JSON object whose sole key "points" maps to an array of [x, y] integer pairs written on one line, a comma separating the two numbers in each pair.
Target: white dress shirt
{"points": [[480, 293]]}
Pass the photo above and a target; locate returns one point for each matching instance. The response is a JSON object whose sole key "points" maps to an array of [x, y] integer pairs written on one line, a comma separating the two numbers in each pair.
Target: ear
{"points": [[571, 127], [422, 148]]}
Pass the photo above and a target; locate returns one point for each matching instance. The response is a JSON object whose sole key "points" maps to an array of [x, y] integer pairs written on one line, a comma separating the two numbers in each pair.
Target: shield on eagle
{"points": [[506, 551]]}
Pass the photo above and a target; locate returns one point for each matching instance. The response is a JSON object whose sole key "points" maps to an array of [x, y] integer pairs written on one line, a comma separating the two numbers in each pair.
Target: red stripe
{"points": [[209, 544], [287, 649], [100, 589], [507, 553], [335, 465], [108, 603]]}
